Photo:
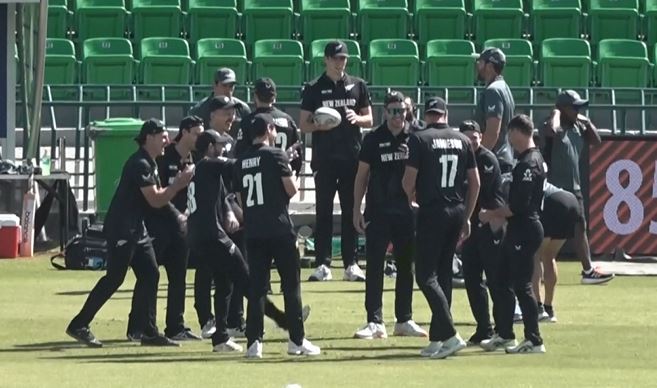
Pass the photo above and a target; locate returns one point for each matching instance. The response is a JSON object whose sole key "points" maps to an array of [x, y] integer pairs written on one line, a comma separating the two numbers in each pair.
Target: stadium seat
{"points": [[565, 62], [393, 63], [519, 69], [100, 19], [58, 16], [439, 19], [212, 19], [382, 19], [215, 53], [556, 19], [156, 18], [623, 63], [282, 61], [165, 61], [495, 19], [450, 63], [108, 61], [267, 19], [354, 63], [61, 64], [323, 19], [650, 17], [613, 19]]}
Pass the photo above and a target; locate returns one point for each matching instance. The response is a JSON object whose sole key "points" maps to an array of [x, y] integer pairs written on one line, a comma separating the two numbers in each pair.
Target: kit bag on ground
{"points": [[86, 251]]}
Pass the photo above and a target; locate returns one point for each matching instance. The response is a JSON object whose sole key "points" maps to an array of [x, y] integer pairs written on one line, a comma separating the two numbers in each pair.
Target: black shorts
{"points": [[562, 211]]}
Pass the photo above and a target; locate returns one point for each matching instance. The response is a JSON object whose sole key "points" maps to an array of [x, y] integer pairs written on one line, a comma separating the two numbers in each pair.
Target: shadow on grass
{"points": [[58, 346]]}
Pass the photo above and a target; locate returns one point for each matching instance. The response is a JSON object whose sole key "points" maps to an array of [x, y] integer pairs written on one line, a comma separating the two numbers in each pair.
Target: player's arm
{"points": [[412, 166], [159, 197], [283, 165], [360, 187], [591, 134], [472, 193], [494, 107], [308, 105], [553, 124], [520, 195], [362, 116]]}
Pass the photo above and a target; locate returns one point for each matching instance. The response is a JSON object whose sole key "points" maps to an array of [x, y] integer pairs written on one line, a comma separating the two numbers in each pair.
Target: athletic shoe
{"points": [[84, 336], [543, 316], [305, 313], [431, 349], [525, 346], [227, 347], [157, 340], [496, 342], [209, 329], [353, 273], [186, 335], [450, 347], [409, 329], [236, 332], [550, 311], [390, 270], [305, 349], [255, 350], [371, 330], [476, 338], [134, 337], [321, 274], [596, 277]]}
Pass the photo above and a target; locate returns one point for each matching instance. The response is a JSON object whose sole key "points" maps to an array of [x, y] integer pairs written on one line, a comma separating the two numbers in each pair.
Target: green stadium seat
{"points": [[439, 19], [58, 16], [450, 63], [613, 19], [323, 19], [495, 19], [108, 61], [216, 53], [100, 19], [61, 64], [156, 18], [212, 19], [565, 62], [354, 63], [623, 63], [281, 60], [165, 61], [556, 19], [267, 19], [393, 63], [519, 68], [650, 17], [382, 19]]}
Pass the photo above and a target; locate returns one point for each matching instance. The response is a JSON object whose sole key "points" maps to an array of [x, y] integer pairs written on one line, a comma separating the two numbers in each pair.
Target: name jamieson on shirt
{"points": [[447, 144], [251, 162]]}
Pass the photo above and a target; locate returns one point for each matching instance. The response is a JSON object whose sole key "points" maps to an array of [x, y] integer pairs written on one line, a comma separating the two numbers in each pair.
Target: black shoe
{"points": [[134, 337], [476, 338], [186, 335], [157, 340], [84, 336]]}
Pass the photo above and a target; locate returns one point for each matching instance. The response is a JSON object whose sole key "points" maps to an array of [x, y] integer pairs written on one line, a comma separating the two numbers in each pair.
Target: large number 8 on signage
{"points": [[627, 195]]}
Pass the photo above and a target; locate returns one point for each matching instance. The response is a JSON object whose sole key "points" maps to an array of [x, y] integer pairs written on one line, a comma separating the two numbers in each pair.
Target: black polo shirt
{"points": [[202, 110], [168, 166], [125, 216], [383, 152], [442, 157], [342, 142], [491, 194], [526, 192], [264, 199]]}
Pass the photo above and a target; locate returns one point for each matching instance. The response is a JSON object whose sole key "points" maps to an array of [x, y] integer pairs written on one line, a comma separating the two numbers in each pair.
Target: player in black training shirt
{"points": [[388, 218], [440, 165], [287, 132], [267, 185], [523, 238], [210, 218], [128, 242], [166, 226], [335, 156], [481, 251]]}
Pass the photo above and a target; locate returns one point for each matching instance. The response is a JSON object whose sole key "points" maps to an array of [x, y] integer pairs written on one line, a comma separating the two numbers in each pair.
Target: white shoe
{"points": [[321, 274], [543, 316], [305, 349], [371, 330], [208, 329], [305, 313], [255, 350], [496, 342], [409, 329], [353, 273], [228, 346], [431, 349], [450, 347], [236, 332], [517, 313], [525, 346]]}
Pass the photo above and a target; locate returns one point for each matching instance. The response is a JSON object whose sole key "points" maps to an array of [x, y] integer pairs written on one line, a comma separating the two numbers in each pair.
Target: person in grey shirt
{"points": [[565, 134], [495, 107]]}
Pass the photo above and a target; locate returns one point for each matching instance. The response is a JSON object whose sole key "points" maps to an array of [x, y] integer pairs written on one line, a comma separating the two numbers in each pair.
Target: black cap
{"points": [[188, 123], [264, 87], [150, 127], [260, 123], [208, 137], [436, 105], [221, 102], [336, 48], [571, 98], [393, 97], [225, 76], [469, 125], [493, 55]]}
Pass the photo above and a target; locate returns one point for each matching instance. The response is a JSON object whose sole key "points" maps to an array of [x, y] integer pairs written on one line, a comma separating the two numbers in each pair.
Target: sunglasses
{"points": [[396, 111]]}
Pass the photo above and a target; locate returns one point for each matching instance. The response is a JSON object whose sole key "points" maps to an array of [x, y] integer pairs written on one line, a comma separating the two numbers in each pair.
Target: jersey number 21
{"points": [[253, 184]]}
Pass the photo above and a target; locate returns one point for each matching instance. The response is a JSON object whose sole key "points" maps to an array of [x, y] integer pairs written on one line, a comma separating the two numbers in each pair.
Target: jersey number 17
{"points": [[449, 165]]}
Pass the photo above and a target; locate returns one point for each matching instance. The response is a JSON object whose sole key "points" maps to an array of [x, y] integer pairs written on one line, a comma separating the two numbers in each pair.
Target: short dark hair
{"points": [[260, 124], [523, 124], [187, 124]]}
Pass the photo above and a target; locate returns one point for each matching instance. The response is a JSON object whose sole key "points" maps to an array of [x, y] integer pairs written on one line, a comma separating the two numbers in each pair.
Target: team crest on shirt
{"points": [[349, 87], [327, 91], [384, 145], [488, 169], [527, 176]]}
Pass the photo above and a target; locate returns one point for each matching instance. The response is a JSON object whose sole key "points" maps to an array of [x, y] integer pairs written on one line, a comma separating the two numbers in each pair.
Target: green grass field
{"points": [[605, 338]]}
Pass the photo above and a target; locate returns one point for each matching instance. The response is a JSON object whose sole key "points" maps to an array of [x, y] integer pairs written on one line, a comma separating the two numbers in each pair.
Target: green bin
{"points": [[113, 144]]}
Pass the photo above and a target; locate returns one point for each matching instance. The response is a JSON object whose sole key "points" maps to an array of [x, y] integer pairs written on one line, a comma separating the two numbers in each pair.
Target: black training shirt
{"points": [[342, 142], [383, 152], [264, 199], [491, 195], [442, 157], [526, 192], [168, 166]]}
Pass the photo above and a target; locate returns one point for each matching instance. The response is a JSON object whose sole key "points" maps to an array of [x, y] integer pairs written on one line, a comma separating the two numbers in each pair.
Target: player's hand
{"points": [[465, 231], [484, 216], [232, 224], [183, 177], [359, 222], [292, 153], [403, 147], [351, 116], [182, 221]]}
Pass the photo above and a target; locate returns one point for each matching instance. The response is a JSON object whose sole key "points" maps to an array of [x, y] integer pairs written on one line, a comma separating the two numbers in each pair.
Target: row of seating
{"points": [[374, 19], [167, 61]]}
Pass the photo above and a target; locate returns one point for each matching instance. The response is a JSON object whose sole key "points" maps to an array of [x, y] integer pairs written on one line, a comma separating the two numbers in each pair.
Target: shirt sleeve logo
{"points": [[488, 169], [491, 108], [527, 176], [349, 87]]}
